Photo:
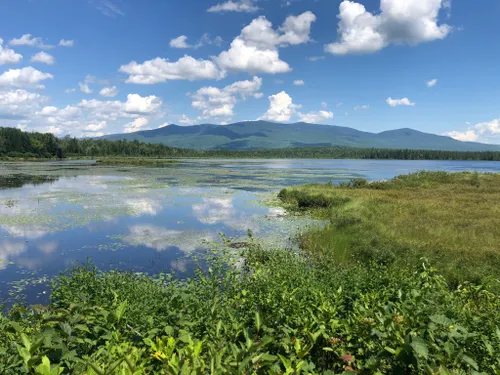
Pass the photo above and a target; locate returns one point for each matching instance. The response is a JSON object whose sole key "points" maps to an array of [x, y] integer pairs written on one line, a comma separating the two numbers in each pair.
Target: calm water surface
{"points": [[53, 215]]}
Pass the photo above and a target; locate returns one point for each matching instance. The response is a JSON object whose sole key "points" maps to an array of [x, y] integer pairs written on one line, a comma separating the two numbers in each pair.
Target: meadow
{"points": [[449, 218], [402, 279]]}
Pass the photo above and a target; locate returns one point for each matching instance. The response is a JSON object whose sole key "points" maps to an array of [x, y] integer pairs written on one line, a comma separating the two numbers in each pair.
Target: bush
{"points": [[304, 199], [282, 313], [354, 183], [15, 154]]}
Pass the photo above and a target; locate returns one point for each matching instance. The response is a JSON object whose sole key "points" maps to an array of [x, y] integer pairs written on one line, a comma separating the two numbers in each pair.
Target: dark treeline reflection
{"points": [[15, 143], [20, 180]]}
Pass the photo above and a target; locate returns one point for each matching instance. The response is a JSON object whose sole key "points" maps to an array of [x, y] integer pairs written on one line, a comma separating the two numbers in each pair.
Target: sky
{"points": [[94, 67]]}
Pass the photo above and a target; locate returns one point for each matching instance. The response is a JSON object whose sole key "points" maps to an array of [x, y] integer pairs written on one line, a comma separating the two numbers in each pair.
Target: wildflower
{"points": [[335, 340], [368, 321], [347, 358], [159, 356], [398, 319]]}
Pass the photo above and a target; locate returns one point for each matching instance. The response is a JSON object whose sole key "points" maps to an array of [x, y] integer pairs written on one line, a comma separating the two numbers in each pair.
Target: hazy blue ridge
{"points": [[251, 135]]}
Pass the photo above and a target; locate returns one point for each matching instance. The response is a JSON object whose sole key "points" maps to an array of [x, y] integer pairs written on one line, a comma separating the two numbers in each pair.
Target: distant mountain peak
{"points": [[260, 134]]}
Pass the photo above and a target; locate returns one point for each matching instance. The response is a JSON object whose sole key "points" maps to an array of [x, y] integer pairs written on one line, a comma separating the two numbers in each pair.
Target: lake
{"points": [[150, 220]]}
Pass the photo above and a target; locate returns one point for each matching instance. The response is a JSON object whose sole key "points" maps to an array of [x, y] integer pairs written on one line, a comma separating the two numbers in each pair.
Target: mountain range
{"points": [[251, 135]]}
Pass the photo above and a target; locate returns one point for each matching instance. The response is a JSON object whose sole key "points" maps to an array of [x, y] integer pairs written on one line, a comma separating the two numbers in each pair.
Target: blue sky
{"points": [[92, 67]]}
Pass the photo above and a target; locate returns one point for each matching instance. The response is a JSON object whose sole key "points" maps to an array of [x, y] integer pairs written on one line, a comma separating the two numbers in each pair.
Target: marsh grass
{"points": [[450, 218], [136, 161]]}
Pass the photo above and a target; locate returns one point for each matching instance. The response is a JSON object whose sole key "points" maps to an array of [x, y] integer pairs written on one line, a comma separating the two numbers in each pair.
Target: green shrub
{"points": [[354, 183], [15, 154], [304, 199], [281, 313]]}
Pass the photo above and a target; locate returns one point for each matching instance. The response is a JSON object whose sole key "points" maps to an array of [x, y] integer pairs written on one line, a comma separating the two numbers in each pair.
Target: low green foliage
{"points": [[279, 313]]}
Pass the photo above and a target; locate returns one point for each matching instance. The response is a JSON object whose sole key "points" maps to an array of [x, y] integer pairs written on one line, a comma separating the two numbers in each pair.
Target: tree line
{"points": [[15, 143]]}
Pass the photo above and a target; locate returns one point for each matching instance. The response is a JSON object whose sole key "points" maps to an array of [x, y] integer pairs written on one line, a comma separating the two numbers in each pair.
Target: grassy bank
{"points": [[134, 161], [348, 304], [451, 219]]}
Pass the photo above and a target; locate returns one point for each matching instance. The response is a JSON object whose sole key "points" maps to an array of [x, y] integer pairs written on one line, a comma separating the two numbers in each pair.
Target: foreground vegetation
{"points": [[359, 298], [16, 144]]}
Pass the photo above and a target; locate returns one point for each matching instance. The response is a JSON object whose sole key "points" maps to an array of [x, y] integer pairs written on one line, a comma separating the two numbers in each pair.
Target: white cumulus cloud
{"points": [[84, 88], [88, 118], [243, 6], [66, 43], [315, 117], [161, 70], [24, 77], [185, 120], [298, 82], [111, 110], [19, 103], [138, 104], [400, 102], [44, 58], [431, 83], [465, 136], [242, 57], [8, 56], [256, 48], [138, 124], [281, 108], [180, 42], [95, 127], [483, 131], [109, 92], [219, 103], [25, 40], [399, 22]]}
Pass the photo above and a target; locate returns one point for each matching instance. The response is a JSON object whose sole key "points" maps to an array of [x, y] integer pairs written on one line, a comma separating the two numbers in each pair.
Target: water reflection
{"points": [[29, 232], [10, 249], [144, 206], [48, 247], [161, 239], [53, 215], [20, 180], [214, 210]]}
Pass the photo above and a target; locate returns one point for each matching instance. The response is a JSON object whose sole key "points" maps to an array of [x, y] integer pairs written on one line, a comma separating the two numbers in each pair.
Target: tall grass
{"points": [[452, 219]]}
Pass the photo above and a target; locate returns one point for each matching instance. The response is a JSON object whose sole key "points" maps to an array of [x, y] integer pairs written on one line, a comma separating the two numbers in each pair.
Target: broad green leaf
{"points": [[120, 310], [471, 362], [258, 321], [420, 347], [441, 320], [44, 367], [26, 341]]}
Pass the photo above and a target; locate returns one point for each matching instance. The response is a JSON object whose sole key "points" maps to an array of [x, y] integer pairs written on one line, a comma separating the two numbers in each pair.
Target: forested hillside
{"points": [[15, 143]]}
